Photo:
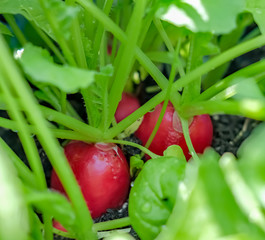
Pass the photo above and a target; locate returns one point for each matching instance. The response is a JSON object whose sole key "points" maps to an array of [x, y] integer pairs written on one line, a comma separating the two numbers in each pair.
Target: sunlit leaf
{"points": [[153, 195], [257, 8], [39, 65], [13, 209], [218, 16], [31, 10]]}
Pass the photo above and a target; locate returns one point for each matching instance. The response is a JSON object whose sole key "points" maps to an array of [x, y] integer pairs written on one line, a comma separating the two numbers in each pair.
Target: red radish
{"points": [[58, 226], [170, 131], [102, 172], [127, 105]]}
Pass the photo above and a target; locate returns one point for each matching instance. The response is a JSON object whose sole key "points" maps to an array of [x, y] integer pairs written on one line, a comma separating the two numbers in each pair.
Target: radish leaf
{"points": [[217, 17], [31, 10], [39, 65]]}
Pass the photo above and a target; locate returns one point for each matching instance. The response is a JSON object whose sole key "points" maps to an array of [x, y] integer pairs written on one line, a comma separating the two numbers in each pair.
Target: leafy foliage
{"points": [[39, 65], [32, 10], [12, 202], [203, 16], [257, 8], [153, 195]]}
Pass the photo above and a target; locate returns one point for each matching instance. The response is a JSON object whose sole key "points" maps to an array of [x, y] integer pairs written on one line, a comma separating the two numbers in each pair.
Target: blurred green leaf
{"points": [[252, 161], [55, 205], [257, 8], [4, 30], [31, 9], [217, 16], [153, 195], [14, 213], [39, 65]]}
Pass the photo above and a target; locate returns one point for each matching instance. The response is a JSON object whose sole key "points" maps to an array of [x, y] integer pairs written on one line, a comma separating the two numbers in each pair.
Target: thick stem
{"points": [[49, 143]]}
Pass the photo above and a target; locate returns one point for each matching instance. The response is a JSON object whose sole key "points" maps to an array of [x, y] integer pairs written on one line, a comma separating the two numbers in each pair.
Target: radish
{"points": [[170, 131], [127, 105], [102, 172]]}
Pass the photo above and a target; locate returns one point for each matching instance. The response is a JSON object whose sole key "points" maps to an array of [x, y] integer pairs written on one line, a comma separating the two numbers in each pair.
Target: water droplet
{"points": [[146, 208]]}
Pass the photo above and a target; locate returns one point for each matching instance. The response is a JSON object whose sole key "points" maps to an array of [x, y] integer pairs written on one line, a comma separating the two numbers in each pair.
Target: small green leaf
{"points": [[217, 16], [39, 65], [175, 151], [4, 30], [153, 195]]}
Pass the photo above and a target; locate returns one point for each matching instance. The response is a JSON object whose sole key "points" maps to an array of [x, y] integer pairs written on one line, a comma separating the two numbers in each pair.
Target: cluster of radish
{"points": [[102, 170]]}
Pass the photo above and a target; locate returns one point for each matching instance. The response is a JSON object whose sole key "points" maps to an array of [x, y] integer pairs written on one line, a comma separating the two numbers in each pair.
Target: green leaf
{"points": [[39, 65], [98, 96], [175, 151], [31, 9], [14, 213], [4, 30], [257, 8], [136, 164], [153, 195], [251, 156], [54, 204], [217, 16]]}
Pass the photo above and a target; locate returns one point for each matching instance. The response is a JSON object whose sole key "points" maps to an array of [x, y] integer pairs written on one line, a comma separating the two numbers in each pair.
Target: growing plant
{"points": [[100, 49]]}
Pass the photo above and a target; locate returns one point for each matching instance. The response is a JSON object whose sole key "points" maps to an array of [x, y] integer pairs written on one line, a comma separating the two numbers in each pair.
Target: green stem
{"points": [[166, 100], [163, 34], [63, 102], [58, 36], [247, 72], [125, 61], [92, 133], [252, 108], [121, 36], [23, 132], [183, 81], [58, 133], [103, 52], [115, 40], [23, 171], [78, 45], [24, 135], [49, 42], [122, 125], [185, 128], [219, 60], [16, 30], [143, 149], [100, 32], [49, 143], [112, 224], [48, 229]]}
